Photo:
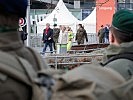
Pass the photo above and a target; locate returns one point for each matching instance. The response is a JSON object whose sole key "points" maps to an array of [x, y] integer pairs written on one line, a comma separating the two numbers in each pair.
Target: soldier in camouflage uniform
{"points": [[112, 82], [87, 82], [121, 44], [81, 35], [101, 34], [56, 32], [11, 44]]}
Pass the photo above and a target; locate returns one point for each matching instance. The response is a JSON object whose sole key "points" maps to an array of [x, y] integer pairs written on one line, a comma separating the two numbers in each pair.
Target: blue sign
{"points": [[85, 13]]}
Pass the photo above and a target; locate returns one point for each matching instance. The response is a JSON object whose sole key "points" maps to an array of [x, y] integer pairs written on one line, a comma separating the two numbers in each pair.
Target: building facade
{"points": [[79, 8], [71, 4], [125, 4]]}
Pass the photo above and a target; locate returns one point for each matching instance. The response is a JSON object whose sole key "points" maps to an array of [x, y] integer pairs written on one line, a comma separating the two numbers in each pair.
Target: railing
{"points": [[71, 61], [36, 41]]}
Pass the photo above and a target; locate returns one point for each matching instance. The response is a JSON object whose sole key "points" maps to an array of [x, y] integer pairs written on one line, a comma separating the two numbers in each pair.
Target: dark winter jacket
{"points": [[47, 37]]}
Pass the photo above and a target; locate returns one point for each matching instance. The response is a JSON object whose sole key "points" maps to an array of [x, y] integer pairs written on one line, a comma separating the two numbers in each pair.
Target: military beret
{"points": [[123, 21], [17, 7]]}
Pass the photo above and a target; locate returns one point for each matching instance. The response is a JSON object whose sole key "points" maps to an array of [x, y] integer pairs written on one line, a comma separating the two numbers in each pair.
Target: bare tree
{"points": [[101, 3]]}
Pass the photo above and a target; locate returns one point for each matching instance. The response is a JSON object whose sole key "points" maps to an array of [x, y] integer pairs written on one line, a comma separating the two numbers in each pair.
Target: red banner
{"points": [[104, 13]]}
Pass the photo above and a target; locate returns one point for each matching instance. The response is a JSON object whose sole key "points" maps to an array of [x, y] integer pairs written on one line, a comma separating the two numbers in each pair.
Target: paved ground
{"points": [[39, 50]]}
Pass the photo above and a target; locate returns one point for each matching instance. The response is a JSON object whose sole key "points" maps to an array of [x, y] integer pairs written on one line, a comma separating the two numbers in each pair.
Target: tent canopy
{"points": [[89, 22], [91, 19], [61, 15]]}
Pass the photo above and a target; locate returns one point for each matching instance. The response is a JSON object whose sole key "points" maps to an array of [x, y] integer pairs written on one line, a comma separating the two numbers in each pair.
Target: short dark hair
{"points": [[81, 25], [101, 25], [13, 7], [55, 25], [121, 36]]}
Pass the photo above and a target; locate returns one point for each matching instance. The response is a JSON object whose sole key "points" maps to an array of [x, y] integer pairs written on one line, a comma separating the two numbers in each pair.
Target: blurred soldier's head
{"points": [[55, 25], [11, 11], [121, 29], [80, 25]]}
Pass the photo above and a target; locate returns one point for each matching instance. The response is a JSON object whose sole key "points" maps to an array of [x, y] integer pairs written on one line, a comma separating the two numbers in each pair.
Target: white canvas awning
{"points": [[90, 22], [62, 15]]}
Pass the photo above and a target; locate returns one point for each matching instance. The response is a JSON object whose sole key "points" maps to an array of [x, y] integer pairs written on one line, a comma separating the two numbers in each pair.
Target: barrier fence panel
{"points": [[36, 41], [92, 38], [72, 61]]}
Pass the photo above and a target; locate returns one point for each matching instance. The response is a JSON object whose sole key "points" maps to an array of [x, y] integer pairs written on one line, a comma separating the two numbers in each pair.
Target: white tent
{"points": [[61, 15], [90, 22]]}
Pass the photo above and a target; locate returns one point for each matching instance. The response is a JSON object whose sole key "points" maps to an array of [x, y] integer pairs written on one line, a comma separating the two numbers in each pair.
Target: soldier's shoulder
{"points": [[10, 89], [95, 79]]}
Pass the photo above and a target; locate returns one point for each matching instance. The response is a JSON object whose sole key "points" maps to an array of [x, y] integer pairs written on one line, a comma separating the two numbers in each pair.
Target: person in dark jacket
{"points": [[22, 34], [106, 34], [47, 38]]}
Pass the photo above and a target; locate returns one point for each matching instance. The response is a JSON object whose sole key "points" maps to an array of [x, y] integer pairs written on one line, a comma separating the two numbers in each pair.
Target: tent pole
{"points": [[28, 23]]}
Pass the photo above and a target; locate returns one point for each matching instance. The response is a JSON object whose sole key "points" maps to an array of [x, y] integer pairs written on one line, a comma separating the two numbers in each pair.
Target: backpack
{"points": [[40, 83], [122, 92], [86, 82]]}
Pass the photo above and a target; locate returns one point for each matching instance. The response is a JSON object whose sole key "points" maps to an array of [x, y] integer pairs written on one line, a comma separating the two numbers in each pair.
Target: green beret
{"points": [[123, 21]]}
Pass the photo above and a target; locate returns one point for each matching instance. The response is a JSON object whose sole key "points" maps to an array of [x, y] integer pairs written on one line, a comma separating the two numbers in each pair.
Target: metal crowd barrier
{"points": [[66, 60], [36, 40]]}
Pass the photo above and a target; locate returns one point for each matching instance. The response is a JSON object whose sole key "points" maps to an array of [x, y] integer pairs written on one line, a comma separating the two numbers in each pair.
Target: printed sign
{"points": [[22, 22]]}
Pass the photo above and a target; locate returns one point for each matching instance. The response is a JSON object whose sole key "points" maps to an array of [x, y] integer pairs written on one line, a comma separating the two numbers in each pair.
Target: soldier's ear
{"points": [[111, 38]]}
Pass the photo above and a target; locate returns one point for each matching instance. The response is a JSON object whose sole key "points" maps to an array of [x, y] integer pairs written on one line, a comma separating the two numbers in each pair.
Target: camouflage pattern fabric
{"points": [[86, 82]]}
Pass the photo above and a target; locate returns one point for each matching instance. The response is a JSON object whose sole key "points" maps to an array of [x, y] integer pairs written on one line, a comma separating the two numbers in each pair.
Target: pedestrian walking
{"points": [[81, 35], [47, 38], [63, 40], [70, 38], [56, 32], [106, 34], [101, 34]]}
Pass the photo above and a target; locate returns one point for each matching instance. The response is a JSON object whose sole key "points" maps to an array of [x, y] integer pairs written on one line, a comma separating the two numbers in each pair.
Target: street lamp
{"points": [[54, 19]]}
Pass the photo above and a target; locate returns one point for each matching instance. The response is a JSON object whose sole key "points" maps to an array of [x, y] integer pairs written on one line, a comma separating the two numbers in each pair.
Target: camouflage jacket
{"points": [[10, 88], [123, 66], [101, 32], [81, 34], [56, 32], [87, 82]]}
